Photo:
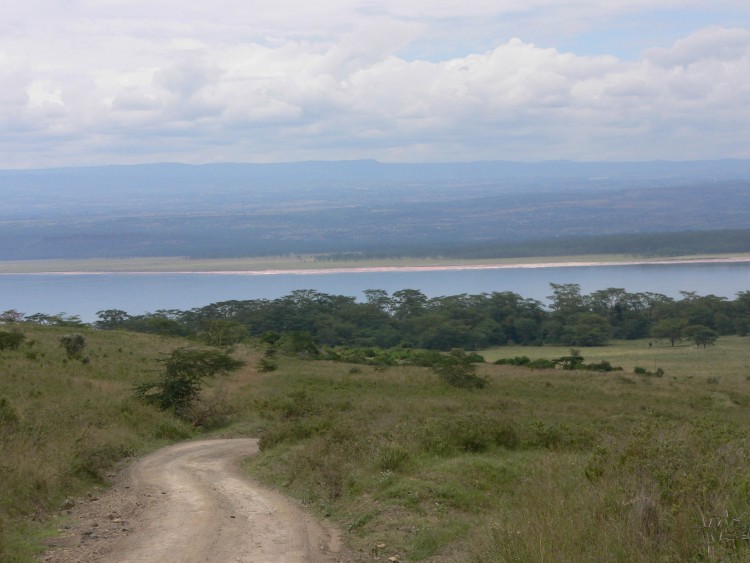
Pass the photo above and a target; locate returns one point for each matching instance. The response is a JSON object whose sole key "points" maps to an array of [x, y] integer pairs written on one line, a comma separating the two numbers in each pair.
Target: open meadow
{"points": [[541, 465]]}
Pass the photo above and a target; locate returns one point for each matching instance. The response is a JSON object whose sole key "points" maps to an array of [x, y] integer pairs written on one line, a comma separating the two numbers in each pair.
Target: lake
{"points": [[85, 294]]}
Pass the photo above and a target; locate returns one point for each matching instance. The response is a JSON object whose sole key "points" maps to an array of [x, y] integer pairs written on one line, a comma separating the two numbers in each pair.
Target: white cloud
{"points": [[714, 43], [91, 81]]}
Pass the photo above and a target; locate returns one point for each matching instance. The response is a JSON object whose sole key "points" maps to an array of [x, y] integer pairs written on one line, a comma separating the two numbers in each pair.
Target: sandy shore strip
{"points": [[25, 269]]}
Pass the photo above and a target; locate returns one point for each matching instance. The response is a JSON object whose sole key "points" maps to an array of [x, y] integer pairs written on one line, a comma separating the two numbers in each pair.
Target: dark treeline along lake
{"points": [[85, 294]]}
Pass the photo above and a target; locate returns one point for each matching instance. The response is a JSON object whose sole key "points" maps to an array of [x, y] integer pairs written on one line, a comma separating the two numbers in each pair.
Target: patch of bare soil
{"points": [[188, 503]]}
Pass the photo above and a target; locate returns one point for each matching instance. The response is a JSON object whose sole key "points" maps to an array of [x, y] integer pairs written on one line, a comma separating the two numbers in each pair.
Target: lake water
{"points": [[85, 294]]}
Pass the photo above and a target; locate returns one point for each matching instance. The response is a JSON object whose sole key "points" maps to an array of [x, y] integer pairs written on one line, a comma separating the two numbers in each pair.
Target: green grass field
{"points": [[542, 465]]}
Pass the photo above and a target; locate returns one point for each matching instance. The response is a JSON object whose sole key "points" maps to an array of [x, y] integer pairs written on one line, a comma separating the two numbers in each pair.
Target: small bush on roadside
{"points": [[185, 372], [209, 413]]}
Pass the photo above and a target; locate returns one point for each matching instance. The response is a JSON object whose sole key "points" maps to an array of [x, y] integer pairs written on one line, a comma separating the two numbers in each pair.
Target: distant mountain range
{"points": [[358, 208]]}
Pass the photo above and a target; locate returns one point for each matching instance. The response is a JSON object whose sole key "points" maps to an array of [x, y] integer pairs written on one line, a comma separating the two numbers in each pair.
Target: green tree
{"points": [[220, 332], [573, 361], [702, 335], [378, 298], [185, 373], [566, 298], [525, 330], [457, 369], [669, 329], [111, 318], [587, 329], [408, 303]]}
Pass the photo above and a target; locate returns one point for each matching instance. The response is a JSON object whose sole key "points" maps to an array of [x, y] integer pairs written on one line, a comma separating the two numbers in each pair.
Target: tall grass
{"points": [[64, 423], [540, 466]]}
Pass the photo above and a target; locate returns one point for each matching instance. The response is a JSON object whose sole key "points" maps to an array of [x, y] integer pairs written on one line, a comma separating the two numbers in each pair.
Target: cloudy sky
{"points": [[127, 81]]}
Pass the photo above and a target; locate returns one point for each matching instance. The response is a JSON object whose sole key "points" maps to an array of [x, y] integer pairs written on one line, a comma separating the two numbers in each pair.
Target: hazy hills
{"points": [[371, 207]]}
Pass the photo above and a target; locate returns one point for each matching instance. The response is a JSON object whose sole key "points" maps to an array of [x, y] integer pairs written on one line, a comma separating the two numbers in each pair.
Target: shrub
{"points": [[209, 412], [541, 363], [185, 372], [73, 344], [515, 361], [524, 361], [643, 371], [571, 362], [604, 365], [266, 365], [11, 340]]}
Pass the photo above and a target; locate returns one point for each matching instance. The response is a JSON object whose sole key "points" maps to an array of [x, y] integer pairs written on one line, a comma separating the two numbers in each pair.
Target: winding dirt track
{"points": [[189, 503]]}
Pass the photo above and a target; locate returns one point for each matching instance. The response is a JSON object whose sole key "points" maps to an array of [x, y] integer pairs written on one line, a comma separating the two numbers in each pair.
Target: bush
{"points": [[524, 361], [541, 363], [515, 361], [185, 372], [11, 340], [266, 365], [643, 371], [74, 344], [604, 365], [209, 413]]}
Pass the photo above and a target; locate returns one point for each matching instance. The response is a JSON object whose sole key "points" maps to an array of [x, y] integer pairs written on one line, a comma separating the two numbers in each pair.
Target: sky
{"points": [[89, 82]]}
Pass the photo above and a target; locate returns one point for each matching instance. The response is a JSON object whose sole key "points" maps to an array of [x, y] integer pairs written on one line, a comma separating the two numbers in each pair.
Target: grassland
{"points": [[544, 465], [64, 424], [540, 466], [302, 262]]}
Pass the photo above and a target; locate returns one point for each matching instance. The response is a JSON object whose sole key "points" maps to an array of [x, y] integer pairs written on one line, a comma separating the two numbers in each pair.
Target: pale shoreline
{"points": [[14, 268]]}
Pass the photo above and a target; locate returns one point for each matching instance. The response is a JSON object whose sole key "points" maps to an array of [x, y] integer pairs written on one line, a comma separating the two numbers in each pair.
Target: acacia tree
{"points": [[111, 319], [11, 316], [702, 335], [669, 329], [457, 369], [185, 372]]}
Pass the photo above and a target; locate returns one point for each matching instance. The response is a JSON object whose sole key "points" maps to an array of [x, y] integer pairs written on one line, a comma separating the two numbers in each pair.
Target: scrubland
{"points": [[541, 465]]}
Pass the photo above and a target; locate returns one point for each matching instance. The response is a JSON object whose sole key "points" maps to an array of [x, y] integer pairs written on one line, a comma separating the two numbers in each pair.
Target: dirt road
{"points": [[190, 503]]}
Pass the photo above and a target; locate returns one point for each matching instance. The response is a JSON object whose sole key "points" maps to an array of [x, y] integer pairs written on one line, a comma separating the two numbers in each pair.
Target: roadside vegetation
{"points": [[68, 416], [647, 462]]}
